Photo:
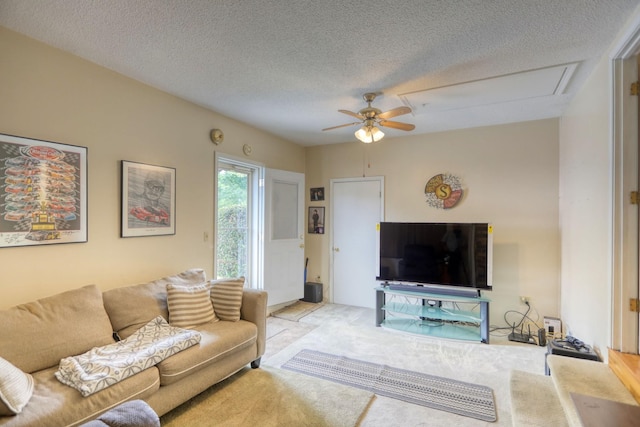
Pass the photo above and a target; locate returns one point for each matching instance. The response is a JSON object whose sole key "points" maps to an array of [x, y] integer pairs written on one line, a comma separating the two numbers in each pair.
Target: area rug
{"points": [[297, 310], [271, 397], [458, 397]]}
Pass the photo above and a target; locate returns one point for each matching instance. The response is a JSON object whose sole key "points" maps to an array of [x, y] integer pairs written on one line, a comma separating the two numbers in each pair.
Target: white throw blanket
{"points": [[101, 367]]}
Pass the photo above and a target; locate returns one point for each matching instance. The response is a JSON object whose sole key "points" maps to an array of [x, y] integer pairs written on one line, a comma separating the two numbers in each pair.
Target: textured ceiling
{"points": [[287, 66]]}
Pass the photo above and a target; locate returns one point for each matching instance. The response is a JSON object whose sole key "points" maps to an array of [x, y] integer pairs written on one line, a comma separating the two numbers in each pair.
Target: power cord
{"points": [[503, 331]]}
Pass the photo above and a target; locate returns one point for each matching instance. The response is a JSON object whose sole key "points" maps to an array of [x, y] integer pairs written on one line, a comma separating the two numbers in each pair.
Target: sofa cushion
{"points": [[16, 388], [38, 334], [226, 295], [55, 404], [189, 305], [219, 340], [132, 307]]}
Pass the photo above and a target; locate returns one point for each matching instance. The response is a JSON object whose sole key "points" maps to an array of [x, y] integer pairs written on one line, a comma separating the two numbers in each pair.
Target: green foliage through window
{"points": [[233, 229]]}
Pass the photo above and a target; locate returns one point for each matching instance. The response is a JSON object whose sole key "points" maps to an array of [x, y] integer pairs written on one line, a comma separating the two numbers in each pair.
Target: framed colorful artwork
{"points": [[148, 200], [44, 197]]}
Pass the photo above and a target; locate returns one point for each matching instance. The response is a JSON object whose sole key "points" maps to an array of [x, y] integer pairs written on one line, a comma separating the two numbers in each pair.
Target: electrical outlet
{"points": [[524, 300]]}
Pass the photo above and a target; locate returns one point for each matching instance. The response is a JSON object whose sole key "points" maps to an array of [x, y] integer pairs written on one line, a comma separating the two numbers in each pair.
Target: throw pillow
{"points": [[16, 388], [226, 295], [132, 307], [189, 305]]}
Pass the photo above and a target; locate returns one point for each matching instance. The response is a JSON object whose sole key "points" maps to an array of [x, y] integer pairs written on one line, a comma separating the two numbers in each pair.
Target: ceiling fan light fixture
{"points": [[369, 134], [370, 117]]}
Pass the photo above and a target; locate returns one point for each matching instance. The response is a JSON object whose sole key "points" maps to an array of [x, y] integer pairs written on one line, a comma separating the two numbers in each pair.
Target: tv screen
{"points": [[452, 254]]}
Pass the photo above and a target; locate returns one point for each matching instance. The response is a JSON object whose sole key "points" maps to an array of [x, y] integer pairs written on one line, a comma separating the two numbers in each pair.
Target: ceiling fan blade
{"points": [[394, 113], [396, 125], [341, 126], [352, 114]]}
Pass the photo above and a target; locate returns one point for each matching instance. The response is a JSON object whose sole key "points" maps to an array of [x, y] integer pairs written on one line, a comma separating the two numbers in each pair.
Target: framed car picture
{"points": [[148, 200], [43, 199]]}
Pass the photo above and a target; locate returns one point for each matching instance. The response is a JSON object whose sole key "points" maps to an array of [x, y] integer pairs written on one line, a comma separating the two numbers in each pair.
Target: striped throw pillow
{"points": [[16, 388], [226, 295], [189, 305]]}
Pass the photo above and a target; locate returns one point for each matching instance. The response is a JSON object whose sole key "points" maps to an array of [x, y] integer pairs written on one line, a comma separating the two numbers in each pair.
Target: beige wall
{"points": [[585, 204], [51, 95], [510, 178], [510, 174]]}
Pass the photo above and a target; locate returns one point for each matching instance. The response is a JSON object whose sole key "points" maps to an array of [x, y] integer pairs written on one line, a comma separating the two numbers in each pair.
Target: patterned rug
{"points": [[458, 397]]}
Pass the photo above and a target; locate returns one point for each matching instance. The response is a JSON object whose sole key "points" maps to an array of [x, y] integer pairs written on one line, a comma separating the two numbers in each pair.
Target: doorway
{"points": [[357, 210], [238, 219], [625, 330], [259, 227]]}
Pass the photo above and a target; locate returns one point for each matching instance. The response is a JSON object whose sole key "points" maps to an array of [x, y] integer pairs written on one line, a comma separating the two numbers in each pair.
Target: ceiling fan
{"points": [[370, 117]]}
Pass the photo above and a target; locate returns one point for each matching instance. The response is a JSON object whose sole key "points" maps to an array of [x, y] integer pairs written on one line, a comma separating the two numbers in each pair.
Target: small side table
{"points": [[563, 349]]}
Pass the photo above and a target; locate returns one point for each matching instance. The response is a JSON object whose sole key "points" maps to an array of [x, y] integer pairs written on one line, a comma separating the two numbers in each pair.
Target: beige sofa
{"points": [[37, 335]]}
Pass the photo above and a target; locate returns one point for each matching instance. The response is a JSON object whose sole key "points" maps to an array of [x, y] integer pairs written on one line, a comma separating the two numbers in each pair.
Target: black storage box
{"points": [[312, 292]]}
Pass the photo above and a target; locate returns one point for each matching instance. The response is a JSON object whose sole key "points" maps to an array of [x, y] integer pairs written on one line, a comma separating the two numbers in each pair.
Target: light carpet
{"points": [[534, 401], [462, 398], [297, 310], [281, 333], [271, 397], [351, 331]]}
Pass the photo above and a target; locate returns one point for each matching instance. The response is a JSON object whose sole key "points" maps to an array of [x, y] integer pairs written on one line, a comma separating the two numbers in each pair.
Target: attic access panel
{"points": [[496, 90]]}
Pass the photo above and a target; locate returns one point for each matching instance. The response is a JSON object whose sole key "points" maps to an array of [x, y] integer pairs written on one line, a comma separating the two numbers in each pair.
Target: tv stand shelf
{"points": [[433, 313]]}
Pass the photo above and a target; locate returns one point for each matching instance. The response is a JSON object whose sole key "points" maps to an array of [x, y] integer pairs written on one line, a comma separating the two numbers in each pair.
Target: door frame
{"points": [[380, 179], [624, 170], [256, 201]]}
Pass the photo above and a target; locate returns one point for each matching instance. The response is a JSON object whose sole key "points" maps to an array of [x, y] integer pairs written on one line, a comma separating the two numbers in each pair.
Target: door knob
{"points": [[336, 249]]}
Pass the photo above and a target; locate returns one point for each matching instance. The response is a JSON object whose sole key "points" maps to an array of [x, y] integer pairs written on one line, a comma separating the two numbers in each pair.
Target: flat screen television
{"points": [[439, 254]]}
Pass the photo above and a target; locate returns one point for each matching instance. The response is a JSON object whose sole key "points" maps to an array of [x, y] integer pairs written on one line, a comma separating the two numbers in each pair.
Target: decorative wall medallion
{"points": [[246, 148], [443, 191]]}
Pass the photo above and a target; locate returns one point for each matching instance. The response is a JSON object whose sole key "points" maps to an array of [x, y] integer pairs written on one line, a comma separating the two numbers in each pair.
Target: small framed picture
{"points": [[148, 200], [317, 194], [316, 220]]}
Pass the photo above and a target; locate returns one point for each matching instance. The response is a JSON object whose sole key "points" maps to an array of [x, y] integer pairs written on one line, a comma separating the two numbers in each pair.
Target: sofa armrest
{"points": [[254, 310]]}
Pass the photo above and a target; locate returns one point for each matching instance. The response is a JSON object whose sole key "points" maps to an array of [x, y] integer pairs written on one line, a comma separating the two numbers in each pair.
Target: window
{"points": [[237, 219]]}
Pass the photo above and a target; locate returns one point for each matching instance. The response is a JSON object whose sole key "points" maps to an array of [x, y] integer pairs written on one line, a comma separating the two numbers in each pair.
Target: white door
{"points": [[357, 209], [283, 236]]}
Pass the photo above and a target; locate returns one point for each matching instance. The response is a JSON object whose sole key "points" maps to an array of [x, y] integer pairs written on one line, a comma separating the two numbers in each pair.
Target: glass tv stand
{"points": [[433, 313]]}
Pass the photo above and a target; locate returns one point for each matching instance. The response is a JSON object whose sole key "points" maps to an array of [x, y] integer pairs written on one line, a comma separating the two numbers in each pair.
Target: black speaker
{"points": [[312, 292]]}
